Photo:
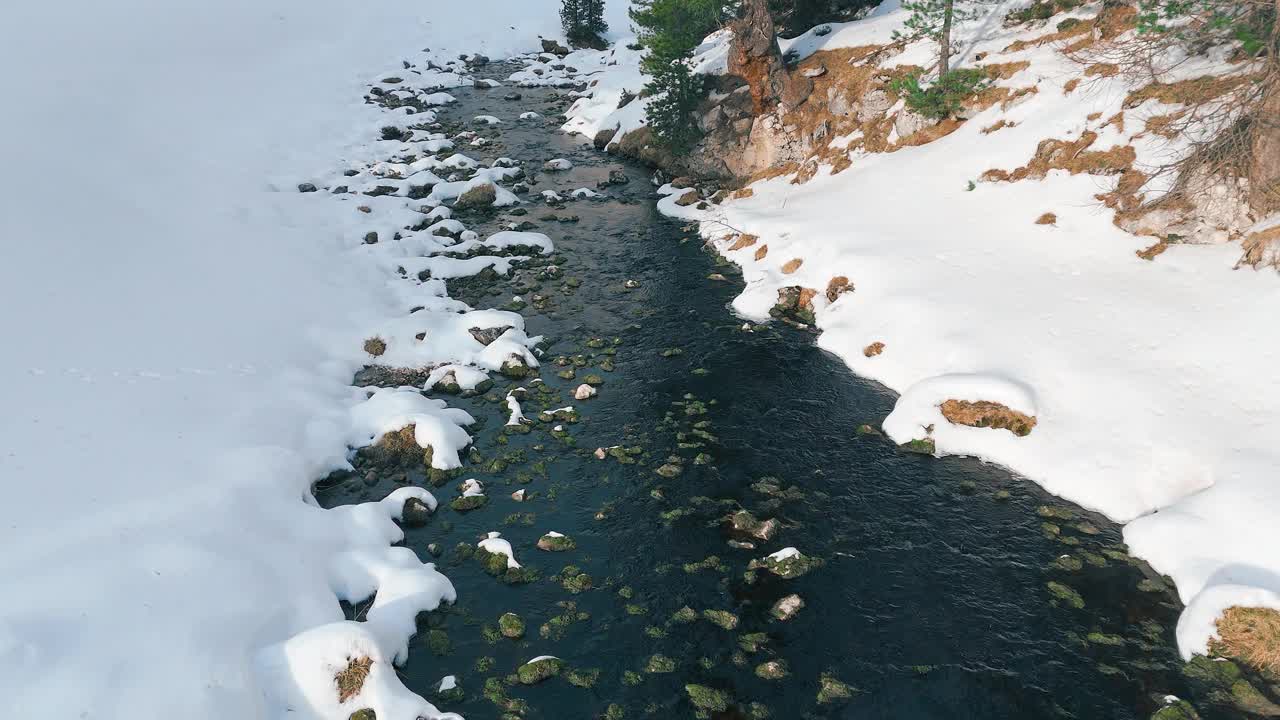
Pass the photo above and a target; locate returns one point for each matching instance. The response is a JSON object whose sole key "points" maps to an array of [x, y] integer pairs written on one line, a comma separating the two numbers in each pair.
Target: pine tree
{"points": [[583, 21]]}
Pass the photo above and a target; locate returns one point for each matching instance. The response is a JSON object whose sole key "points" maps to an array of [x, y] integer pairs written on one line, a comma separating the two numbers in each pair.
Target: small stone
{"points": [[519, 495], [557, 165], [617, 177], [371, 238], [309, 188], [363, 714]]}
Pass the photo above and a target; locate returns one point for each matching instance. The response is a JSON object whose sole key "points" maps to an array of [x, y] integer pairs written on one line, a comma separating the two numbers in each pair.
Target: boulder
{"points": [[486, 336]]}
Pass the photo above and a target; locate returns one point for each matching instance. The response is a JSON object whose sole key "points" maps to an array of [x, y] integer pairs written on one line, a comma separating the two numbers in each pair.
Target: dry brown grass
{"points": [[1073, 156], [1166, 126], [1071, 86], [1258, 245], [1002, 124], [744, 240], [762, 252], [1004, 71], [873, 349], [1197, 91], [375, 346], [1251, 635], [792, 265], [1153, 252], [403, 440], [984, 414], [350, 680], [1104, 70], [838, 286], [1047, 219]]}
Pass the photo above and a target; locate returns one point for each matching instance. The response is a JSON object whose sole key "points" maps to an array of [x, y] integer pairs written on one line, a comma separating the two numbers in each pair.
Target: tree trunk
{"points": [[1264, 167], [944, 52], [755, 57]]}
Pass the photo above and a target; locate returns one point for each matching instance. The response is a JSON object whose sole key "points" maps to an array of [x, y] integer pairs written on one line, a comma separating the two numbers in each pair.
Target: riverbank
{"points": [[1149, 381]]}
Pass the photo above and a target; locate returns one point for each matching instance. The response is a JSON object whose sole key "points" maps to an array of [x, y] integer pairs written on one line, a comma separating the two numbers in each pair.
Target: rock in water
{"points": [[415, 513], [584, 392], [787, 607]]}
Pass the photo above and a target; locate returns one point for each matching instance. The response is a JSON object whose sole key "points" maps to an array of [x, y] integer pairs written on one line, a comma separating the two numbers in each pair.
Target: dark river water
{"points": [[934, 599]]}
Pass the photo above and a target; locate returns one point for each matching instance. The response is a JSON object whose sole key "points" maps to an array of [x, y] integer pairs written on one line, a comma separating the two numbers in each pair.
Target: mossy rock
{"points": [[723, 618], [574, 580], [1065, 595], [684, 616], [753, 642], [672, 352], [532, 673], [660, 664], [556, 543], [1177, 710], [583, 678], [1221, 682], [924, 446], [467, 503], [707, 700], [1068, 563], [772, 670], [593, 380], [1055, 513], [669, 470], [615, 712], [631, 678], [511, 626], [1100, 638], [438, 642], [363, 714], [452, 696], [832, 690], [789, 567]]}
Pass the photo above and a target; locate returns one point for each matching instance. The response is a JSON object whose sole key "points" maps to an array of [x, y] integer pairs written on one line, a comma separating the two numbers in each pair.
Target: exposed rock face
{"points": [[756, 58]]}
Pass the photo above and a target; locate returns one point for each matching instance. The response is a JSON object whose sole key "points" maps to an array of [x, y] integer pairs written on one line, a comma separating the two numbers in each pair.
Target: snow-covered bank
{"points": [[182, 329], [1152, 383]]}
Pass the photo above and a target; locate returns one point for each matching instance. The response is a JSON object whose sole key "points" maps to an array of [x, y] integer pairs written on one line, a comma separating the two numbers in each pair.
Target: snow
{"points": [[1153, 383], [187, 325], [494, 543]]}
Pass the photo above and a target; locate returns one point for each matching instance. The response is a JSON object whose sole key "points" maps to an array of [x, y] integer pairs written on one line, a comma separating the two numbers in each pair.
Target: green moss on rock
{"points": [[707, 700], [511, 626], [534, 672]]}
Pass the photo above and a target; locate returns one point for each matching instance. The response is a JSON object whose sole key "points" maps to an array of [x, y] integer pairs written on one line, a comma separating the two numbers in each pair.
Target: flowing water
{"points": [[934, 596]]}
